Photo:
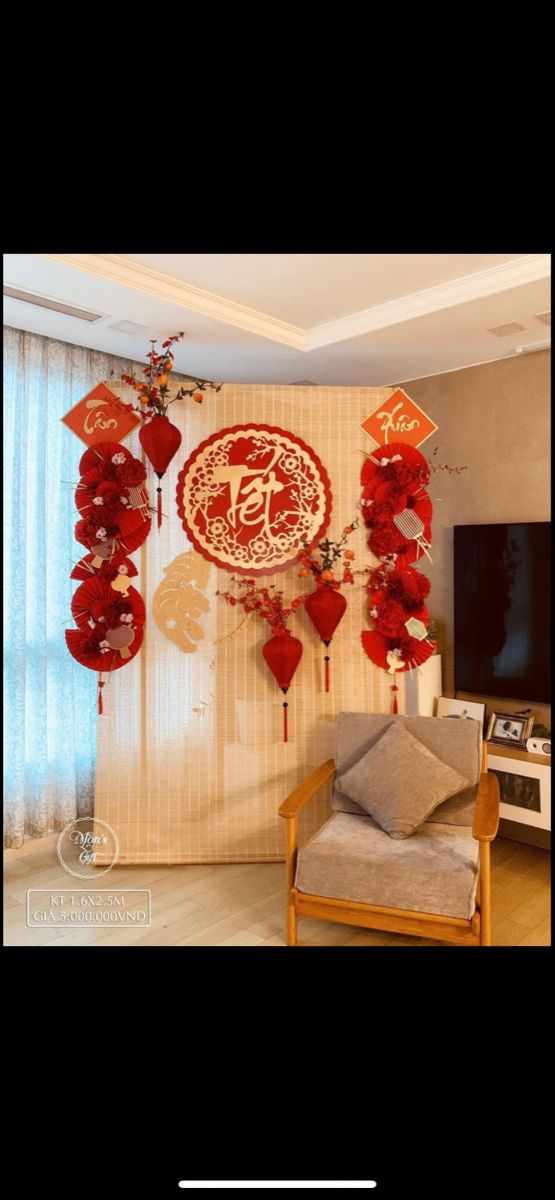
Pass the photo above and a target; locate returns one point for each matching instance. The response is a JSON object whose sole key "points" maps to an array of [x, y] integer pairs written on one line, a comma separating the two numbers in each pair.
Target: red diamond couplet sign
{"points": [[250, 497], [100, 416], [398, 419]]}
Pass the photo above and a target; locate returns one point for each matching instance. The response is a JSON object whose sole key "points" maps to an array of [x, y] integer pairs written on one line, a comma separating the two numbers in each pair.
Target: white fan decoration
{"points": [[412, 528]]}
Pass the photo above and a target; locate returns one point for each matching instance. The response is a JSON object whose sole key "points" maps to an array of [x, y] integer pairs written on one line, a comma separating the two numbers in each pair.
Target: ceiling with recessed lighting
{"points": [[352, 319]]}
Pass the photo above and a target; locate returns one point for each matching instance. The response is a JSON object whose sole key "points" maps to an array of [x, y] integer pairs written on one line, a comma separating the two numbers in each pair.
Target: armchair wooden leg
{"points": [[485, 894], [291, 925], [290, 865]]}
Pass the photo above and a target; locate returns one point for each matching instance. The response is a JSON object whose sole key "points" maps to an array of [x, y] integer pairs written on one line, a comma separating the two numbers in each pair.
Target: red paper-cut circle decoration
{"points": [[251, 496]]}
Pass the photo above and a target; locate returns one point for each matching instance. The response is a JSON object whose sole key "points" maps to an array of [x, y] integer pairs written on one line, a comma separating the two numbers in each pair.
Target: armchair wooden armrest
{"points": [[305, 790], [486, 812]]}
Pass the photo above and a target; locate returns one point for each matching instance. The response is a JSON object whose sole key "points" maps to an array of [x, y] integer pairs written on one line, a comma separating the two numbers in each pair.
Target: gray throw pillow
{"points": [[399, 782]]}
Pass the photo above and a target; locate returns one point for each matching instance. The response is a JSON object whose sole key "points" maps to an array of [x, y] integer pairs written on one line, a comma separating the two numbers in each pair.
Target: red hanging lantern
{"points": [[283, 653], [325, 607], [160, 441]]}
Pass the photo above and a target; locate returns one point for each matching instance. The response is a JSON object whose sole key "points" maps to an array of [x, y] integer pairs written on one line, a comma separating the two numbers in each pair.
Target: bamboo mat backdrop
{"points": [[186, 786]]}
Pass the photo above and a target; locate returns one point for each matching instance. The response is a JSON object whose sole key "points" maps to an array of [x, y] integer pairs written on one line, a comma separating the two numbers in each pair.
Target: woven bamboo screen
{"points": [[191, 762]]}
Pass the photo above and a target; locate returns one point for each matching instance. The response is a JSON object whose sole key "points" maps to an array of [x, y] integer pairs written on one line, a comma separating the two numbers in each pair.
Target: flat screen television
{"points": [[503, 611]]}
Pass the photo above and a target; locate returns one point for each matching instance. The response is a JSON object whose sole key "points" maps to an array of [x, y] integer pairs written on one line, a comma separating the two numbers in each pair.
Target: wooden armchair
{"points": [[470, 930]]}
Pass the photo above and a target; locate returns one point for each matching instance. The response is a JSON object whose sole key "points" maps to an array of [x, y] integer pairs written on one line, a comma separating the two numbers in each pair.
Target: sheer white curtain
{"points": [[50, 722]]}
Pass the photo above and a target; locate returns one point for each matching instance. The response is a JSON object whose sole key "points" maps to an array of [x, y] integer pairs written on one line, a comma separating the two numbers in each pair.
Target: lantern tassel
{"points": [[100, 705], [327, 662], [394, 690], [159, 490], [285, 722]]}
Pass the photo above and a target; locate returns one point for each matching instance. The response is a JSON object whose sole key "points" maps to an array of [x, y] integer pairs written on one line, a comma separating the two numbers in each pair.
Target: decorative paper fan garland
{"points": [[397, 511], [113, 522]]}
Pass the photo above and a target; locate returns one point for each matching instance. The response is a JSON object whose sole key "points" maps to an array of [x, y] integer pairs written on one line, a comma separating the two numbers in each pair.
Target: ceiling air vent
{"points": [[545, 317], [129, 327], [56, 305], [506, 330]]}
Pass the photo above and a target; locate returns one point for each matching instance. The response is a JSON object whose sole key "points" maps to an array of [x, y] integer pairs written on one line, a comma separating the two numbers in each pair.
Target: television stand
{"points": [[525, 790]]}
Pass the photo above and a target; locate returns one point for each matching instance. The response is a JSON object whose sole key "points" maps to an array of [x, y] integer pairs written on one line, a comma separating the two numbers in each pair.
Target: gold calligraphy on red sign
{"points": [[399, 419], [101, 416]]}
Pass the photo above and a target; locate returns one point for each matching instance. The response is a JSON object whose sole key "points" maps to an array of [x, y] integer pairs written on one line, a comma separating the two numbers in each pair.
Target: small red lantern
{"points": [[160, 441], [283, 653], [325, 607]]}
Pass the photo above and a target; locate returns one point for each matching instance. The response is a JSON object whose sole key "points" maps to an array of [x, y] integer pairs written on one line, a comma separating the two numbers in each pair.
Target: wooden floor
{"points": [[243, 905]]}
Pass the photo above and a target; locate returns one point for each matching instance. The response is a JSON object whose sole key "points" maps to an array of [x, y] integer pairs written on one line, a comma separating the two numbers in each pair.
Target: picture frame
{"points": [[524, 790], [463, 709], [509, 729]]}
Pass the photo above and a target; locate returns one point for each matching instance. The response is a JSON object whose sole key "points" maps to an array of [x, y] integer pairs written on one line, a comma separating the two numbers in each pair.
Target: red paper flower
{"points": [[390, 619], [90, 530], [386, 539], [130, 473]]}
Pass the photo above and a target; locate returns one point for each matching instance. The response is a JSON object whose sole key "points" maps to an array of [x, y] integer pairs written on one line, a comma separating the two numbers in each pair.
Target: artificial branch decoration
{"points": [[325, 606], [266, 602], [434, 466], [282, 652], [159, 438], [153, 390], [330, 552]]}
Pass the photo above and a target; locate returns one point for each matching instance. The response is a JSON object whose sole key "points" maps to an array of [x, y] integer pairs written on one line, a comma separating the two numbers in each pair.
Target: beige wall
{"points": [[493, 420]]}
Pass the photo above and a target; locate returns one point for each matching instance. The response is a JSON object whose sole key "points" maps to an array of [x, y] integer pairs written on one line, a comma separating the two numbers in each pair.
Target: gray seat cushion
{"points": [[351, 858], [456, 743]]}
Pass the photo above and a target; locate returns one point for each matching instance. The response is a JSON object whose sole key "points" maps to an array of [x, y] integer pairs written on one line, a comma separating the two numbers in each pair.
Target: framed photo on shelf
{"points": [[508, 729], [464, 709], [525, 790]]}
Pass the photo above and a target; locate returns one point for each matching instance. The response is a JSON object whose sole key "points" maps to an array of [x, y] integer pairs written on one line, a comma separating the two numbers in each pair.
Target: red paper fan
{"points": [[126, 518], [420, 652], [84, 570], [410, 456], [101, 453], [130, 520], [132, 541], [95, 597], [91, 486], [377, 648], [110, 661], [93, 593]]}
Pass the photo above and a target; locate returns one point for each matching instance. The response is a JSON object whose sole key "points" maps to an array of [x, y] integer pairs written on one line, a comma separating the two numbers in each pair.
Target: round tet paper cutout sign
{"points": [[250, 497]]}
